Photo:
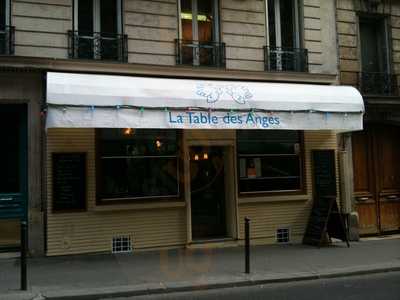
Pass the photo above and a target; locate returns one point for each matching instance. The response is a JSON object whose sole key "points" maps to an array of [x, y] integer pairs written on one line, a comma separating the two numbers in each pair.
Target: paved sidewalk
{"points": [[90, 276]]}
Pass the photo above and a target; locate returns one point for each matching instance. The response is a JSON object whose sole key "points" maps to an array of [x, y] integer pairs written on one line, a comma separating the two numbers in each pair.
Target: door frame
{"points": [[230, 183], [22, 109], [371, 132]]}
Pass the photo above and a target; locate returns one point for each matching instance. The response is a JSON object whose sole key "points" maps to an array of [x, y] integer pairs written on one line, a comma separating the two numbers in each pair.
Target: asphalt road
{"points": [[384, 286]]}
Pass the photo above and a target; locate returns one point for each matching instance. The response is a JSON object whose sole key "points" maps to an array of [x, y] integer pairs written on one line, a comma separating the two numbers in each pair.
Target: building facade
{"points": [[112, 188], [368, 35]]}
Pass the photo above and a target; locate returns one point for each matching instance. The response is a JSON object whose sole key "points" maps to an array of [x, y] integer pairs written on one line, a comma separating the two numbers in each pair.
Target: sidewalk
{"points": [[89, 276]]}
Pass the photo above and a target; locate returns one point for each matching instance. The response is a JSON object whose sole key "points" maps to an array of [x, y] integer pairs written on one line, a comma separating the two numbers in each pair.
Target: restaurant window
{"points": [[269, 161], [283, 51], [97, 30], [136, 164], [199, 36]]}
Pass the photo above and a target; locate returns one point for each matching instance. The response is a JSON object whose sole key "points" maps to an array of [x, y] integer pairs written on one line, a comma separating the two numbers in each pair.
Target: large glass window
{"points": [[4, 30], [283, 23], [199, 32], [137, 164], [269, 160], [284, 52], [4, 14], [98, 28]]}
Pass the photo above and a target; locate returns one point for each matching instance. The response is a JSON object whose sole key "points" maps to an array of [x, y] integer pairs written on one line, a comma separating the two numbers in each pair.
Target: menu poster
{"points": [[69, 181]]}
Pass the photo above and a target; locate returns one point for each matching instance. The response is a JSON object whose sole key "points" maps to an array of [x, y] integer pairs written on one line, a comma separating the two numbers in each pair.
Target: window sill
{"points": [[137, 206], [275, 198]]}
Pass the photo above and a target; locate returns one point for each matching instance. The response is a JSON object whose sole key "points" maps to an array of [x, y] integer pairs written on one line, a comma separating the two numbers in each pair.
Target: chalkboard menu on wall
{"points": [[69, 181], [324, 172]]}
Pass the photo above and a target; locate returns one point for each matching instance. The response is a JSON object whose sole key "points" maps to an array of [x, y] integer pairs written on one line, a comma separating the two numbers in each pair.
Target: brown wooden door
{"points": [[377, 178], [364, 189], [388, 179]]}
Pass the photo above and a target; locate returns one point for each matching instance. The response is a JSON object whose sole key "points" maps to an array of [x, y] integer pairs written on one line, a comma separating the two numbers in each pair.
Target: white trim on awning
{"points": [[85, 100]]}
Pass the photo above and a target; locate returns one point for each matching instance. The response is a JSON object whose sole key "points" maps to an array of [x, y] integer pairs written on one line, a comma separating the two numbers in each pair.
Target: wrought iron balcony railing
{"points": [[381, 84], [98, 45], [286, 59], [197, 53], [7, 40]]}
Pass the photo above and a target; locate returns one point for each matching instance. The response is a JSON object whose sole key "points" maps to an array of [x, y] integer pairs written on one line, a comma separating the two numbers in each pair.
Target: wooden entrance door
{"points": [[208, 192], [377, 178]]}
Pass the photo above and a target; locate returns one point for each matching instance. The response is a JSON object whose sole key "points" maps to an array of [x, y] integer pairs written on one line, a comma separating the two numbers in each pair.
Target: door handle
{"points": [[362, 199], [6, 199], [392, 197]]}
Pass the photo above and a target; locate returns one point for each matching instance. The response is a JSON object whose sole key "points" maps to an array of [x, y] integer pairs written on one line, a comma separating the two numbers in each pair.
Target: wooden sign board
{"points": [[69, 181], [325, 217]]}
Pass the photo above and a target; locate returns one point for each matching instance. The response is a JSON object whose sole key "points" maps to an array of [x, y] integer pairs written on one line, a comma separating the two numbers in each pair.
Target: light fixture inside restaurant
{"points": [[188, 16], [158, 144], [205, 155], [196, 157], [128, 131]]}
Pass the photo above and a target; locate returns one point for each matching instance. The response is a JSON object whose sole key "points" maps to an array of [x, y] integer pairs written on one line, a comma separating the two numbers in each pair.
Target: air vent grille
{"points": [[283, 235], [121, 244]]}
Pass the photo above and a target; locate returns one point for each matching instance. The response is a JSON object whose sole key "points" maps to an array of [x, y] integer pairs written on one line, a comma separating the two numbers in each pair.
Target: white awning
{"points": [[108, 101]]}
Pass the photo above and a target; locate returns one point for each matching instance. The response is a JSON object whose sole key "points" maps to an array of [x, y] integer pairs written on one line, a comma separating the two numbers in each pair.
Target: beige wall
{"points": [[165, 225], [152, 26], [41, 27]]}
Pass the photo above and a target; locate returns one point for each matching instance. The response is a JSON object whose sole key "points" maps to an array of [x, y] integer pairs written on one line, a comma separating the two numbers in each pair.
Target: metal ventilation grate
{"points": [[121, 244], [283, 235]]}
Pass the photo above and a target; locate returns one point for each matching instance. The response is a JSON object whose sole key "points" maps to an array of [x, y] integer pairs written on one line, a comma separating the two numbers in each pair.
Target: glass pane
{"points": [[108, 17], [287, 23], [268, 141], [186, 19], [2, 14], [9, 151], [3, 43], [116, 142], [205, 19], [268, 185], [85, 16], [271, 23], [139, 177], [270, 166]]}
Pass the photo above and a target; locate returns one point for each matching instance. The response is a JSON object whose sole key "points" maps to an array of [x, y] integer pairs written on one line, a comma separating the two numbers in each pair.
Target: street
{"points": [[367, 287]]}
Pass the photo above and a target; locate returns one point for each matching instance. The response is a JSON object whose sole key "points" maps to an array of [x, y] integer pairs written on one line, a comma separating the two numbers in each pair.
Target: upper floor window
{"points": [[98, 30], [6, 31], [283, 52], [376, 77], [199, 34]]}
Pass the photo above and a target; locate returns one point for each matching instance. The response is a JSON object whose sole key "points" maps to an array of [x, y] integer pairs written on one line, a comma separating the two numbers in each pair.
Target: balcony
{"points": [[378, 84], [196, 53], [286, 59], [99, 46], [7, 40]]}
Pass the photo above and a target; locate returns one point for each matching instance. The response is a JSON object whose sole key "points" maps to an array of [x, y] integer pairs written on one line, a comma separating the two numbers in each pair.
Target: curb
{"points": [[156, 289]]}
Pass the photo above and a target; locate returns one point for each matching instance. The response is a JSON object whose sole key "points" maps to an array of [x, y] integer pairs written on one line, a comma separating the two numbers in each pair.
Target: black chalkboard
{"points": [[69, 181], [324, 172], [325, 218]]}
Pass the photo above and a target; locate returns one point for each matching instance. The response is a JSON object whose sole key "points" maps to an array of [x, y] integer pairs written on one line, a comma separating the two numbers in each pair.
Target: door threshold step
{"points": [[213, 243], [380, 237]]}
